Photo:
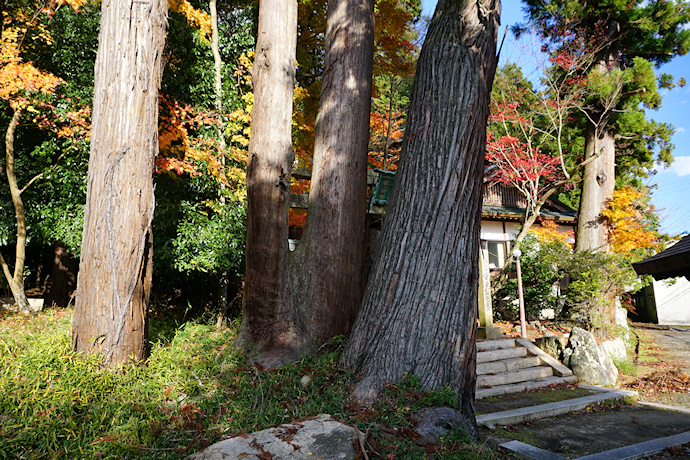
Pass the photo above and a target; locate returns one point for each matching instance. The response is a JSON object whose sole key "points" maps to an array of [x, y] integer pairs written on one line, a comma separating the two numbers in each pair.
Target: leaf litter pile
{"points": [[665, 381]]}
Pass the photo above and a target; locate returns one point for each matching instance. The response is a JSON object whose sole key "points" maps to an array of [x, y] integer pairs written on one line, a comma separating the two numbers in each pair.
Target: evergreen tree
{"points": [[625, 39]]}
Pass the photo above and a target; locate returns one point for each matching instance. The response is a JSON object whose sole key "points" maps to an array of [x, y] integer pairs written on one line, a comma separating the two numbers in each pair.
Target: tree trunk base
{"points": [[22, 305]]}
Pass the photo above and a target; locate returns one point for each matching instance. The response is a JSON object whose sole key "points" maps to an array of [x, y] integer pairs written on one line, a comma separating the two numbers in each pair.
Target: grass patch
{"points": [[196, 389], [626, 367]]}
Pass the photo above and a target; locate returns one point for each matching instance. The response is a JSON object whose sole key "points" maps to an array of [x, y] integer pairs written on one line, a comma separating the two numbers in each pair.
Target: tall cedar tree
{"points": [[291, 309], [327, 269], [617, 32], [419, 308], [115, 269], [267, 322]]}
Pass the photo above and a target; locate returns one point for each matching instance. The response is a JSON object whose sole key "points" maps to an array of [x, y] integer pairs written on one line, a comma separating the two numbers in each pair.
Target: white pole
{"points": [[521, 299]]}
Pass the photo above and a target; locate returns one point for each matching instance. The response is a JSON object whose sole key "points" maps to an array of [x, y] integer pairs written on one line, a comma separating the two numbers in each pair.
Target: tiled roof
{"points": [[518, 213], [507, 202], [671, 263]]}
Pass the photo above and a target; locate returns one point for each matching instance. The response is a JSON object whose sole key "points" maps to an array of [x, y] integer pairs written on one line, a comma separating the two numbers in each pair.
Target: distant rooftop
{"points": [[507, 202], [671, 263]]}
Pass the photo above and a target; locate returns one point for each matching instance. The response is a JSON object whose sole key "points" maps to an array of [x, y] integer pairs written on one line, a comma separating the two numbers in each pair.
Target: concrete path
{"points": [[674, 339], [618, 433], [626, 432]]}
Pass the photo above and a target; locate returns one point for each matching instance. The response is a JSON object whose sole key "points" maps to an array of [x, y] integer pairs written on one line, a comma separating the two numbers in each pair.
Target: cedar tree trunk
{"points": [[419, 308], [115, 270], [267, 321], [328, 268], [598, 185]]}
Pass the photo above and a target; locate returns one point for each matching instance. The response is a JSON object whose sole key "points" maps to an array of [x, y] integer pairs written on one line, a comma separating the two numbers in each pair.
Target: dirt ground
{"points": [[663, 365], [662, 376]]}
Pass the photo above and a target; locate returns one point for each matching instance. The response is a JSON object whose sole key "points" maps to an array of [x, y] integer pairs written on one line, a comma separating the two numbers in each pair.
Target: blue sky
{"points": [[671, 195]]}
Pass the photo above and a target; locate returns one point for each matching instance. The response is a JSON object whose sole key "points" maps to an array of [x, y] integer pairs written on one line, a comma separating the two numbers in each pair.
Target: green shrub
{"points": [[542, 267], [593, 279]]}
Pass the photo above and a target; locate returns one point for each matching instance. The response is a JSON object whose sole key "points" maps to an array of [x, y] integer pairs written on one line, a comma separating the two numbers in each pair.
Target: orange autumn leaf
{"points": [[630, 229], [549, 232]]}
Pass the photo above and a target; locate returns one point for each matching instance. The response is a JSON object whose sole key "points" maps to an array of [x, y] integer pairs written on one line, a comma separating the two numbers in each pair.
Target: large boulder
{"points": [[551, 345], [590, 364], [320, 437], [615, 349]]}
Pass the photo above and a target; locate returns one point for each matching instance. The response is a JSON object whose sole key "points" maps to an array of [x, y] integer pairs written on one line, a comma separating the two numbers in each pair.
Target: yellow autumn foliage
{"points": [[75, 4], [195, 18], [17, 78], [630, 229], [549, 232]]}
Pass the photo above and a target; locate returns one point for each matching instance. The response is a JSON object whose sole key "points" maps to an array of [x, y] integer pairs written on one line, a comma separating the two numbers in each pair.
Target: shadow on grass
{"points": [[194, 390]]}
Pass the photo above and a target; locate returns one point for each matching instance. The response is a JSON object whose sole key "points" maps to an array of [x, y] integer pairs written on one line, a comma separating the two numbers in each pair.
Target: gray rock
{"points": [[547, 313], [590, 364], [551, 345], [320, 437], [615, 349], [436, 422], [8, 303], [621, 315]]}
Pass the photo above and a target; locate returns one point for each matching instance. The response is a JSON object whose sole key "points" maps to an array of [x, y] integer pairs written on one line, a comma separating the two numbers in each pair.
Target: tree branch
{"points": [[41, 174]]}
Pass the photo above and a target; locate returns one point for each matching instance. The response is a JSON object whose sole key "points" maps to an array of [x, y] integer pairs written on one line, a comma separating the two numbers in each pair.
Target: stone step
{"points": [[520, 375], [522, 386], [531, 413], [505, 365], [487, 345], [501, 353]]}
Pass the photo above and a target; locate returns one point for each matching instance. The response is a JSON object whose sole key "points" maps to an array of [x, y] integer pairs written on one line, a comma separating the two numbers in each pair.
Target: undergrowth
{"points": [[194, 390], [626, 366]]}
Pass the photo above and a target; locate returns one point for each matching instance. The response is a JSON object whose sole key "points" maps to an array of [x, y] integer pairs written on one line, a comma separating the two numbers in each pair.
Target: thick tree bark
{"points": [[419, 308], [15, 278], [267, 308], [115, 270], [598, 185], [328, 266]]}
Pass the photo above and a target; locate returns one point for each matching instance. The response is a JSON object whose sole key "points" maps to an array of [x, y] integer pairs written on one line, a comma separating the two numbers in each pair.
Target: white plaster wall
{"points": [[672, 302], [493, 231]]}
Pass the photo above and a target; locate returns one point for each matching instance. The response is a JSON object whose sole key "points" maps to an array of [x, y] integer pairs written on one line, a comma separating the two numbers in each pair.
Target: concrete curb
{"points": [[664, 406], [642, 449], [531, 451], [528, 414], [632, 452]]}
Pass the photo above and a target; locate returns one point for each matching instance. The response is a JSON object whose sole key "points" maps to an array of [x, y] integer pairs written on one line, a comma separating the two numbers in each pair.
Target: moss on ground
{"points": [[530, 398]]}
